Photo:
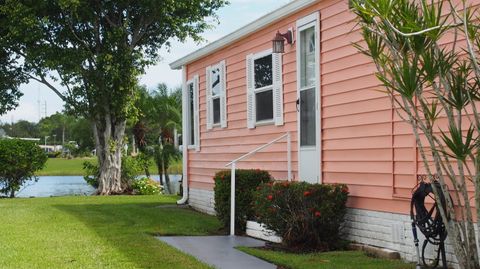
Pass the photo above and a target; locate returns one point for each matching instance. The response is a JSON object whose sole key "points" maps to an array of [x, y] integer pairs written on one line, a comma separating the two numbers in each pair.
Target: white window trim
{"points": [[257, 56], [196, 113], [271, 87], [222, 96], [265, 122], [264, 89]]}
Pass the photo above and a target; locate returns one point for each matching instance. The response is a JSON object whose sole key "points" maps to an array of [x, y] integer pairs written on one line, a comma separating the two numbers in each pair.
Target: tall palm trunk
{"points": [[167, 180]]}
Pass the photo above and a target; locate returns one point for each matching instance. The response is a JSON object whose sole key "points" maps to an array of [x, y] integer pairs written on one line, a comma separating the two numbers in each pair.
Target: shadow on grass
{"points": [[129, 227]]}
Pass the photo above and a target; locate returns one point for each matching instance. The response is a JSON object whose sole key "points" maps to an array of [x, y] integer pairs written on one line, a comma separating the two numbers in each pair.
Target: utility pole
{"points": [[46, 137], [39, 103]]}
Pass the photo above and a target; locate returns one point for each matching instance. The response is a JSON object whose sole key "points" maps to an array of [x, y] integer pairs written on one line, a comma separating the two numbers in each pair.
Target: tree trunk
{"points": [[109, 133], [160, 174], [12, 193], [167, 181]]}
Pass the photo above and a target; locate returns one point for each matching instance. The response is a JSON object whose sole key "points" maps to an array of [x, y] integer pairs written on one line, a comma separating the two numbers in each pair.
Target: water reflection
{"points": [[73, 185]]}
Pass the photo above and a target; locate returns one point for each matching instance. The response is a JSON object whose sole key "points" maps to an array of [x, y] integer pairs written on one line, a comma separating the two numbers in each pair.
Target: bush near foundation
{"points": [[246, 183], [307, 216]]}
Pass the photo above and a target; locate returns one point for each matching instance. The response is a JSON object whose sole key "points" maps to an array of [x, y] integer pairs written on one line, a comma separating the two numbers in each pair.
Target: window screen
{"points": [[216, 110], [263, 72], [191, 112], [264, 105]]}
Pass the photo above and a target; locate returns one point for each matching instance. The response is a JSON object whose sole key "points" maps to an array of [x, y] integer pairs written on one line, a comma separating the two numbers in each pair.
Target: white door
{"points": [[308, 102]]}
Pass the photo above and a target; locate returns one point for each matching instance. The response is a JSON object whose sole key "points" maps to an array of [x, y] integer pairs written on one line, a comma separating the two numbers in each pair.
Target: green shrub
{"points": [[246, 183], [146, 186], [54, 154], [307, 216], [131, 168], [91, 173], [19, 160]]}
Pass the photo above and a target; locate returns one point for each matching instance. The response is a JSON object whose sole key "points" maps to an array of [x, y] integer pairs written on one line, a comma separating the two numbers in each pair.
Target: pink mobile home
{"points": [[239, 96]]}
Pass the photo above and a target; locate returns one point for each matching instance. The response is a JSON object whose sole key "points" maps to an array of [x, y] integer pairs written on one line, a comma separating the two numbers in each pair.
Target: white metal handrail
{"points": [[233, 164]]}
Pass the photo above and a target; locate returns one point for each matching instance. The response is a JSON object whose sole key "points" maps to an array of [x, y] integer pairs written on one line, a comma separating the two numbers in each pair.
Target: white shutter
{"points": [[223, 95], [277, 89], [196, 112], [209, 103], [251, 118]]}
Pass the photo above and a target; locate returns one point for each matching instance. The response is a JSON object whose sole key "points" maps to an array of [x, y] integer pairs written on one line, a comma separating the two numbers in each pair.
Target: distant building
{"points": [[21, 138], [46, 148], [27, 139], [50, 148]]}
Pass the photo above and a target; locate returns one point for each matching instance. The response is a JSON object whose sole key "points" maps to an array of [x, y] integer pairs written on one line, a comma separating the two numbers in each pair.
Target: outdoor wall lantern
{"points": [[278, 42]]}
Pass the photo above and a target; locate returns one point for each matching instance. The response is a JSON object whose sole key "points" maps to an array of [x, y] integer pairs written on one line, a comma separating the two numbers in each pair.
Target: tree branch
{"points": [[46, 83]]}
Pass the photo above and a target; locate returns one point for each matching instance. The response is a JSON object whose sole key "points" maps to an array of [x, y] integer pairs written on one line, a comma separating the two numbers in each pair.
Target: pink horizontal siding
{"points": [[364, 143]]}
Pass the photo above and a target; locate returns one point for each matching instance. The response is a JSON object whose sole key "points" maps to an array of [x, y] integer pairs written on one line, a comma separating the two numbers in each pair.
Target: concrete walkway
{"points": [[219, 251]]}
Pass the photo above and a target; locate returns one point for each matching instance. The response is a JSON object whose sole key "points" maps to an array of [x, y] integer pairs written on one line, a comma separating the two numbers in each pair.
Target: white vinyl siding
{"points": [[216, 96], [264, 89]]}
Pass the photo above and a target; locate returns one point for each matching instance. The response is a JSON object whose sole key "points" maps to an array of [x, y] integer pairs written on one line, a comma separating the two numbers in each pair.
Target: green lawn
{"points": [[117, 232], [329, 260], [64, 167], [74, 167], [96, 232]]}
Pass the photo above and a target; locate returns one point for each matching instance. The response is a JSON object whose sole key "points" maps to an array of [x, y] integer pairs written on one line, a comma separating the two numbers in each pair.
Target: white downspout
{"points": [[184, 138]]}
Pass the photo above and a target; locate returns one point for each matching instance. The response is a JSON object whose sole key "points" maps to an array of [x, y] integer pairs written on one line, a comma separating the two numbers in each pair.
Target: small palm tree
{"points": [[160, 116]]}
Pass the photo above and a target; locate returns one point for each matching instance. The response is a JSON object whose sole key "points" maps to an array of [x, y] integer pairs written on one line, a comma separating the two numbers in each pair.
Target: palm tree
{"points": [[160, 116]]}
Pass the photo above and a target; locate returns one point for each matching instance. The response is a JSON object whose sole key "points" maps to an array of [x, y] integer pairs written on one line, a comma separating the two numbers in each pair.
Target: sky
{"points": [[39, 101]]}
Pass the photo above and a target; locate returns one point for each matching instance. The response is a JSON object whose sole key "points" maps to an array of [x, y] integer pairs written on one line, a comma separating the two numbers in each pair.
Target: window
{"points": [[307, 118], [191, 114], [264, 89], [216, 91], [307, 54], [192, 132], [264, 105], [216, 111], [263, 72], [216, 96], [307, 87], [263, 76]]}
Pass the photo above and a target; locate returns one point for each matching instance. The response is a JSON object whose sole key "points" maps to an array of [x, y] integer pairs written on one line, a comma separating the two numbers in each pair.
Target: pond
{"points": [[48, 186]]}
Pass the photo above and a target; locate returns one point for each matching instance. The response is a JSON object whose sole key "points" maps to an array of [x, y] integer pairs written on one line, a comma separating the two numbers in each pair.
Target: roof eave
{"points": [[248, 29]]}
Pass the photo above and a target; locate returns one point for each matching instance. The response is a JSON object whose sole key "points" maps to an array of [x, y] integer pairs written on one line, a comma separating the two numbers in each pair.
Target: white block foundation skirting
{"points": [[202, 200], [379, 229], [257, 230], [388, 230]]}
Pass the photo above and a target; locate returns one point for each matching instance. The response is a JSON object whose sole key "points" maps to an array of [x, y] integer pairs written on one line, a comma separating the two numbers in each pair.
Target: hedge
{"points": [[246, 183], [306, 216]]}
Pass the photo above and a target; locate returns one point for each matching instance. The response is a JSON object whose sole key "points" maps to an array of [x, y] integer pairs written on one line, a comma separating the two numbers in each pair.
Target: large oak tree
{"points": [[96, 49]]}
